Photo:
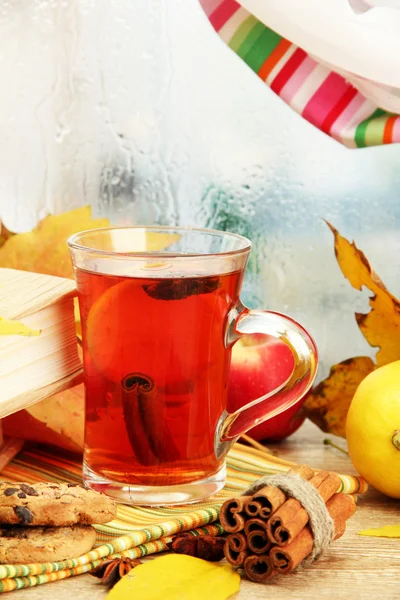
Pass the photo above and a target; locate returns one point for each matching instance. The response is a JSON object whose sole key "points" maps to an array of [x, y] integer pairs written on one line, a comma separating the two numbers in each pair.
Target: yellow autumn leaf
{"points": [[57, 420], [381, 325], [44, 250], [63, 413], [388, 531], [157, 241], [4, 234], [11, 327], [328, 403], [177, 576]]}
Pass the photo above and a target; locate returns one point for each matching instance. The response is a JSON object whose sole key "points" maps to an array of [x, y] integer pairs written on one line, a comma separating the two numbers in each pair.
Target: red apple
{"points": [[260, 363]]}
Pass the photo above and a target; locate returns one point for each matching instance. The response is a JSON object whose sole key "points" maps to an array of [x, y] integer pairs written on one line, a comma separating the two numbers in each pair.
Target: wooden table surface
{"points": [[354, 566]]}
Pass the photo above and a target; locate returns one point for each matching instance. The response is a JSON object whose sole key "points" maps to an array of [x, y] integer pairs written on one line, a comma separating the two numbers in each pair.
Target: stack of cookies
{"points": [[48, 522]]}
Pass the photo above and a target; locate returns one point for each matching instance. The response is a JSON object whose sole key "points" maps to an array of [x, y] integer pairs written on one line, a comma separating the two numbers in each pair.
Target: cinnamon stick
{"points": [[145, 423], [285, 559], [341, 507], [259, 568], [303, 470], [135, 388], [256, 534], [265, 502], [290, 518], [232, 514], [269, 498], [235, 549]]}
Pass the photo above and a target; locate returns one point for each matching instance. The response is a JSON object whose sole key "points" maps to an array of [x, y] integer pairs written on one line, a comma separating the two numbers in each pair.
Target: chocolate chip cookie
{"points": [[53, 504], [44, 544]]}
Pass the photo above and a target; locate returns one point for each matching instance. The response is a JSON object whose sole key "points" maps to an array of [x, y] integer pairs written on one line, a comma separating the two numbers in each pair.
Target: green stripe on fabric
{"points": [[251, 38], [360, 135], [261, 48], [143, 549], [375, 131], [242, 32]]}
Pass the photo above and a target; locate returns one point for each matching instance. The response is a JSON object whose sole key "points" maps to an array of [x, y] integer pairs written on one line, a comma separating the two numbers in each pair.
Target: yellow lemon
{"points": [[373, 429]]}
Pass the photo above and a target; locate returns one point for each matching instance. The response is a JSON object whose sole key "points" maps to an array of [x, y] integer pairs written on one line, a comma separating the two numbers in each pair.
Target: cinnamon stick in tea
{"points": [[137, 387], [259, 568], [269, 498], [232, 514], [235, 549], [285, 559], [256, 535], [145, 423], [290, 518]]}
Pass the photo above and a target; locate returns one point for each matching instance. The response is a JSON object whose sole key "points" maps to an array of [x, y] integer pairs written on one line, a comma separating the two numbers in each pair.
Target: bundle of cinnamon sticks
{"points": [[270, 534]]}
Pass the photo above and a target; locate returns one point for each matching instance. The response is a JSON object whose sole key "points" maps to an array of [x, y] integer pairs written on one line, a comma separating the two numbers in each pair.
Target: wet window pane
{"points": [[139, 109]]}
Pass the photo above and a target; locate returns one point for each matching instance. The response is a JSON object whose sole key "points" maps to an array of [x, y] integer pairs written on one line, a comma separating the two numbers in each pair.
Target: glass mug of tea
{"points": [[160, 311]]}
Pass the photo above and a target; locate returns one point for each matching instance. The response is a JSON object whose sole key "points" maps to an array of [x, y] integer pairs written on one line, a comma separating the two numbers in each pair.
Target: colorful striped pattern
{"points": [[137, 531], [320, 95]]}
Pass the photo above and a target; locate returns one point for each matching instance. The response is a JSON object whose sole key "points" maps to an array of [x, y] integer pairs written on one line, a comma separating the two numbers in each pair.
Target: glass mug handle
{"points": [[244, 321]]}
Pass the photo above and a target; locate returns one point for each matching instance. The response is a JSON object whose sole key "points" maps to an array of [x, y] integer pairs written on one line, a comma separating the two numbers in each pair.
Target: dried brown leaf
{"points": [[328, 403]]}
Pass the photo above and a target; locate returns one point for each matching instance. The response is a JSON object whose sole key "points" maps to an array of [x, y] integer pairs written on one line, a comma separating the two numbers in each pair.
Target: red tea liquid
{"points": [[156, 371]]}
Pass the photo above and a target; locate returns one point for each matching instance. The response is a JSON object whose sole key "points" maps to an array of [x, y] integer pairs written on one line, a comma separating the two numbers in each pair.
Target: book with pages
{"points": [[38, 345]]}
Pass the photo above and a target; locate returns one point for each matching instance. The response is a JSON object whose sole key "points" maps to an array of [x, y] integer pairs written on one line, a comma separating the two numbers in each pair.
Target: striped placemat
{"points": [[137, 531], [321, 96]]}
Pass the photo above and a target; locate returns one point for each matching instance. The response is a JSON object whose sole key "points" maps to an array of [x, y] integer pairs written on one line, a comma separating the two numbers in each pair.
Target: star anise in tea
{"points": [[112, 570], [179, 289]]}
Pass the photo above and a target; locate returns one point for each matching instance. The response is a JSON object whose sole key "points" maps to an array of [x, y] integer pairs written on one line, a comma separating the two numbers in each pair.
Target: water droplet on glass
{"points": [[61, 133]]}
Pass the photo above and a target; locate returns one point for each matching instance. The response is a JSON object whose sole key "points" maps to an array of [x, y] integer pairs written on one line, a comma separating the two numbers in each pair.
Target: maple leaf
{"points": [[328, 403], [45, 250]]}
